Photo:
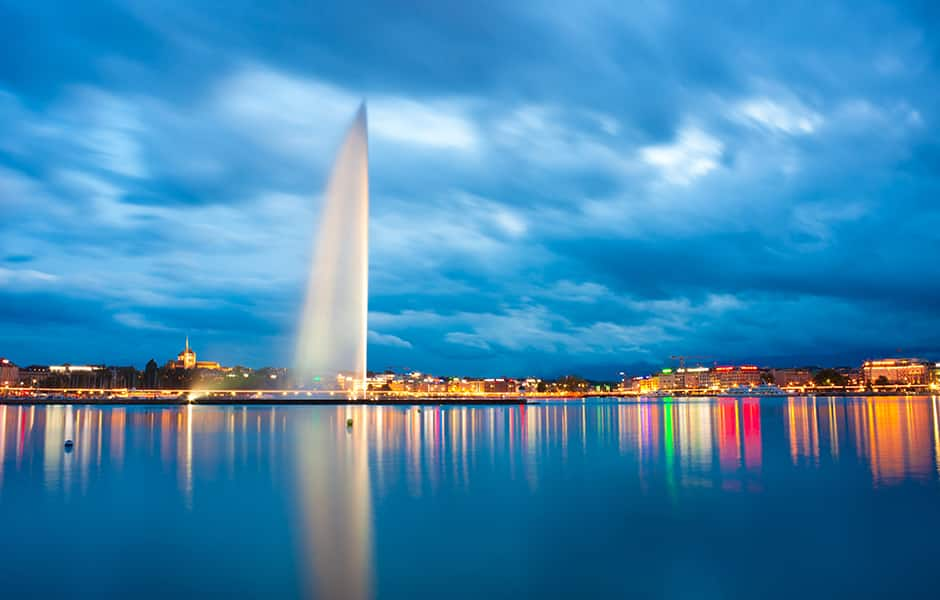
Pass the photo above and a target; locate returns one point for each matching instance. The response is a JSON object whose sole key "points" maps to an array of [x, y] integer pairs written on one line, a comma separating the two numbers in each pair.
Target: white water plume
{"points": [[333, 328]]}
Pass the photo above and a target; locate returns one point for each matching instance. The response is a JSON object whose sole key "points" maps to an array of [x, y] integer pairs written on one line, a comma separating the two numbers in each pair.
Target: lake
{"points": [[714, 498]]}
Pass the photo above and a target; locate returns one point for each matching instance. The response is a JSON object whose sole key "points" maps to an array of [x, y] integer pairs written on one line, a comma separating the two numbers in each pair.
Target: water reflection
{"points": [[896, 438], [335, 478], [335, 503]]}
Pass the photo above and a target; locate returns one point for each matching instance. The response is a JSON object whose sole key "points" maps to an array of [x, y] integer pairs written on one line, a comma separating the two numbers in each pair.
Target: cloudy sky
{"points": [[556, 186]]}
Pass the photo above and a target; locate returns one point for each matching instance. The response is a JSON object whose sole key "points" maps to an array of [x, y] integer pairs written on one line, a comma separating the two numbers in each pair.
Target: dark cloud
{"points": [[554, 187]]}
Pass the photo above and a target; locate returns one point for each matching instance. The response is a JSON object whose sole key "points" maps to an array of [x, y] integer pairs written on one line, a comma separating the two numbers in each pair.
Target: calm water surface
{"points": [[719, 498]]}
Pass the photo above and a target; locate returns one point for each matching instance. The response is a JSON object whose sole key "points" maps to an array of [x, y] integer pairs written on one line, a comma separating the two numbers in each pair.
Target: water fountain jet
{"points": [[333, 326]]}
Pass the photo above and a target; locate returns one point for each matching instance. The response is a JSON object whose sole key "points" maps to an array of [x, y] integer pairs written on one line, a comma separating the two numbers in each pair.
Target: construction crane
{"points": [[682, 358]]}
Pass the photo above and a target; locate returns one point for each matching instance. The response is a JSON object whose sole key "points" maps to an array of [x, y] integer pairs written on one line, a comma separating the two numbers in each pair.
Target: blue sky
{"points": [[556, 186]]}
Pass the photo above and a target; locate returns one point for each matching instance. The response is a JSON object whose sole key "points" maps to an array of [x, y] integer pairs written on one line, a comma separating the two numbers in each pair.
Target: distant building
{"points": [[670, 380], [83, 376], [727, 376], [380, 381], [9, 373], [531, 384], [895, 371], [645, 384], [851, 376], [791, 377], [694, 378], [187, 360], [151, 375], [700, 378], [35, 376], [459, 385], [499, 386], [78, 376]]}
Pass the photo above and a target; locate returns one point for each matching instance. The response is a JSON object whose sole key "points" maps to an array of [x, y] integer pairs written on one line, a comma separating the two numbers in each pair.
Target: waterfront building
{"points": [[33, 375], [426, 384], [9, 373], [694, 378], [499, 386], [473, 386], [699, 378], [380, 381], [415, 382], [685, 378], [895, 371], [669, 379], [791, 377], [645, 385], [77, 376], [726, 377], [435, 385], [458, 385], [531, 384]]}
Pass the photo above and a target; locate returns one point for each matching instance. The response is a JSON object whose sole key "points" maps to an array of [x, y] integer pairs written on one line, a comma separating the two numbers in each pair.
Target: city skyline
{"points": [[651, 194], [686, 375]]}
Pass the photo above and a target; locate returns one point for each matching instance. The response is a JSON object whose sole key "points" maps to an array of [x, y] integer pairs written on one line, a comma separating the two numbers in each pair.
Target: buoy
{"points": [[349, 422], [69, 444]]}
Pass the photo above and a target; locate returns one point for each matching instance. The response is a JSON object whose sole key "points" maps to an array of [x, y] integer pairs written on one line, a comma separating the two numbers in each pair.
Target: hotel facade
{"points": [[896, 371]]}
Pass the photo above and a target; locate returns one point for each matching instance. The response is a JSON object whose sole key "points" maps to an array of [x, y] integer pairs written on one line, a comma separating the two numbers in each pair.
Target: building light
{"points": [[667, 371], [899, 362]]}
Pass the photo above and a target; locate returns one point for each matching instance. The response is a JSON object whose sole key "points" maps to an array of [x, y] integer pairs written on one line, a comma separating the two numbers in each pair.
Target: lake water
{"points": [[724, 498]]}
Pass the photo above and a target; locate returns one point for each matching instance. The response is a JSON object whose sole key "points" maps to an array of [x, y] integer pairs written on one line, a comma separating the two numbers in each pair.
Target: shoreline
{"points": [[228, 400], [62, 400]]}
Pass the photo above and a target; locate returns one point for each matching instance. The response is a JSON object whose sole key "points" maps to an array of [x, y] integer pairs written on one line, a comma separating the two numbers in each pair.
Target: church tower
{"points": [[187, 358]]}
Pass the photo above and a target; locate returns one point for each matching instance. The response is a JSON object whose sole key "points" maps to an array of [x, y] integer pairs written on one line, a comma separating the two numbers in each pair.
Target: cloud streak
{"points": [[646, 183]]}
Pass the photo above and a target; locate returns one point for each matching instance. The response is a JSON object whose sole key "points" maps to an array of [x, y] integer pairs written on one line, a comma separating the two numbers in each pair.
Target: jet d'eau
{"points": [[332, 337]]}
